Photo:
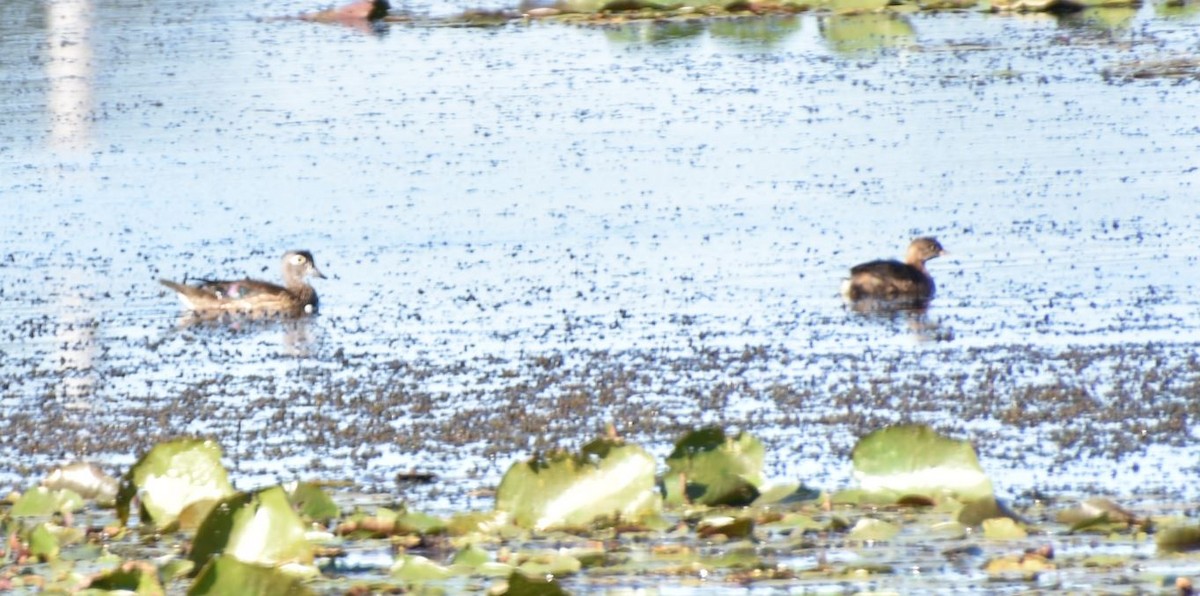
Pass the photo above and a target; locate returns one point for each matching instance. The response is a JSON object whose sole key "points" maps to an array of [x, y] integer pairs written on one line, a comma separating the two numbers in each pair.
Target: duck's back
{"points": [[246, 295], [888, 280]]}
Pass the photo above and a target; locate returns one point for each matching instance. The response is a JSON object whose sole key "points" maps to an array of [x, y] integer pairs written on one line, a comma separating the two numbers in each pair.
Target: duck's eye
{"points": [[299, 259]]}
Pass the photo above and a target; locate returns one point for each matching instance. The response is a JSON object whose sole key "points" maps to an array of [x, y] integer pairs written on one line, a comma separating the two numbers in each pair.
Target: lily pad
{"points": [[225, 574], [550, 565], [1003, 528], [520, 584], [138, 577], [259, 528], [43, 501], [311, 501], [710, 468], [44, 543], [607, 479], [915, 460], [415, 522], [787, 493], [414, 568], [873, 530], [1027, 565], [470, 557], [172, 476], [1179, 539], [974, 513]]}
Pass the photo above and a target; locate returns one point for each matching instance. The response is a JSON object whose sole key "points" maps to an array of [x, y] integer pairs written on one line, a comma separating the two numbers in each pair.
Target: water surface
{"points": [[535, 230]]}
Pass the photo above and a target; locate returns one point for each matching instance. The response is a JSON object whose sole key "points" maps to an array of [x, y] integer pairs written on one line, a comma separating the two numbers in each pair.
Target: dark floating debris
{"points": [[415, 477], [1169, 68]]}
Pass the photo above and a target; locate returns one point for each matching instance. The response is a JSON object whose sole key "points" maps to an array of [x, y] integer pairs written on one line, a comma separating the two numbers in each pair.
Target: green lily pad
{"points": [[473, 522], [172, 476], [413, 568], [786, 493], [873, 530], [424, 524], [1003, 528], [554, 564], [311, 501], [259, 528], [44, 543], [898, 461], [43, 501], [224, 575], [710, 468], [470, 557], [1179, 539], [948, 530], [520, 584], [974, 513], [137, 577], [607, 479]]}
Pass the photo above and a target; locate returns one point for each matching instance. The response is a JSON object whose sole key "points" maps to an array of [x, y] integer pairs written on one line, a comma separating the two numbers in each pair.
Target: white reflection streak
{"points": [[69, 71], [77, 344]]}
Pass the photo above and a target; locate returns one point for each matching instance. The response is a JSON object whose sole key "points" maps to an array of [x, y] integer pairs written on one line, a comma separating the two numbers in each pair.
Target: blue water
{"points": [[627, 199]]}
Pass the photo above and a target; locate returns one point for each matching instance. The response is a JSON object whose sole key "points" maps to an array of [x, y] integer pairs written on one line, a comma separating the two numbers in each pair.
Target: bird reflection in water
{"points": [[914, 314]]}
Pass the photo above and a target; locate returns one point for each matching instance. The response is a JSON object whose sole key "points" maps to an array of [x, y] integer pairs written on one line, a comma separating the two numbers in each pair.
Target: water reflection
{"points": [[69, 72], [765, 32], [851, 34], [296, 334], [913, 314], [76, 340], [654, 32], [1105, 20]]}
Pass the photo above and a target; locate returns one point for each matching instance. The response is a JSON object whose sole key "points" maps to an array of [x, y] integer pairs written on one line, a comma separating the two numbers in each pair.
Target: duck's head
{"points": [[922, 249], [299, 264]]}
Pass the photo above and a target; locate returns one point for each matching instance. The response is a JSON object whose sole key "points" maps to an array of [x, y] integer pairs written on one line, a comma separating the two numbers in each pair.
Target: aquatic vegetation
{"points": [[573, 521], [171, 478], [562, 490], [710, 468], [903, 462]]}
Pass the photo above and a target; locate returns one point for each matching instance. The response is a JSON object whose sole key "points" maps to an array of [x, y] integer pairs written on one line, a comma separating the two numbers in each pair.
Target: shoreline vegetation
{"points": [[851, 25], [606, 12]]}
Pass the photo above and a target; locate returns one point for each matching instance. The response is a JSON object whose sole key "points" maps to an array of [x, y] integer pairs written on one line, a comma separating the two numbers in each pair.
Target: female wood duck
{"points": [[895, 281], [295, 298]]}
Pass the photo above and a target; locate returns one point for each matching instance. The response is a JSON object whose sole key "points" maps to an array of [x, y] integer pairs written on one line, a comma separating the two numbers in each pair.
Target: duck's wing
{"points": [[241, 289], [217, 294], [887, 279]]}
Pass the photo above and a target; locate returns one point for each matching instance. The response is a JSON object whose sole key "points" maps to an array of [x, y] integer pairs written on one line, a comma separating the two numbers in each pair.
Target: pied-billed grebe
{"points": [[893, 280], [249, 296]]}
